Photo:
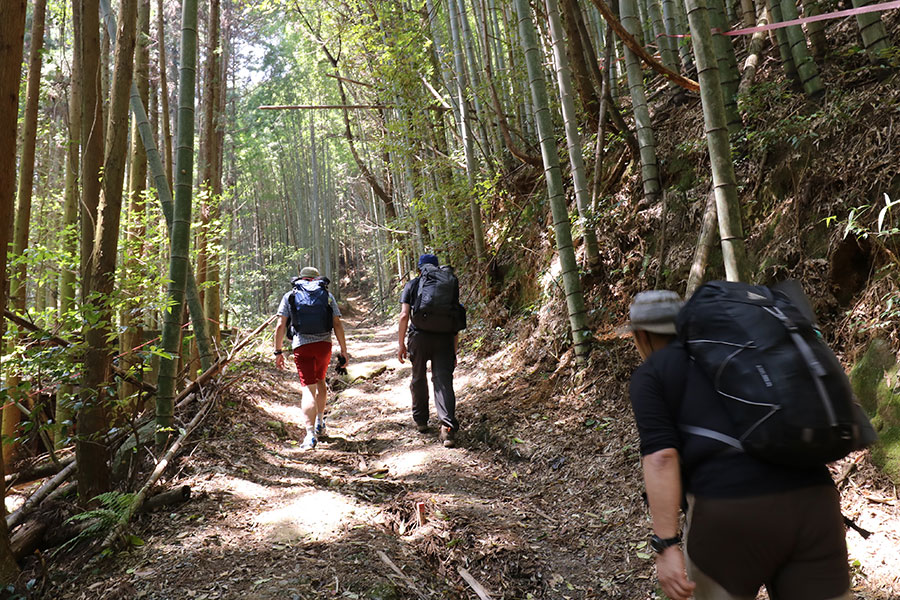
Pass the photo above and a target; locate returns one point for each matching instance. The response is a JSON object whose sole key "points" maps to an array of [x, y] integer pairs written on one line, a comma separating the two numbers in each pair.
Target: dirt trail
{"points": [[525, 516]]}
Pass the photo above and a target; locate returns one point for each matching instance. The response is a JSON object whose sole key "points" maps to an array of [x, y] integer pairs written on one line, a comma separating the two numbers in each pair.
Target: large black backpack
{"points": [[310, 307], [783, 388], [436, 307]]}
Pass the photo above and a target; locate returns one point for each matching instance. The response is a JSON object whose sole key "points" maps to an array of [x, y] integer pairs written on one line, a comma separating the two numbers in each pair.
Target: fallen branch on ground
{"points": [[176, 496], [403, 576], [19, 515], [473, 583]]}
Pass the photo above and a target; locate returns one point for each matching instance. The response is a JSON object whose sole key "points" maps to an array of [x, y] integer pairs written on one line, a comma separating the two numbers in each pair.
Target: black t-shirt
{"points": [[669, 389], [408, 296]]}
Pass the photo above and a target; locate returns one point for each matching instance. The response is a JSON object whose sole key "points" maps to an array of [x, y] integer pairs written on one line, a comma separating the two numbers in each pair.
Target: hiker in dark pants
{"points": [[422, 347], [749, 523]]}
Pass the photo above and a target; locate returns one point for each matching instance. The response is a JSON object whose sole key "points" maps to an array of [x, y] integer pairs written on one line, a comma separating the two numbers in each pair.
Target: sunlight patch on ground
{"points": [[365, 369], [287, 413], [241, 488], [372, 351], [313, 514], [407, 463]]}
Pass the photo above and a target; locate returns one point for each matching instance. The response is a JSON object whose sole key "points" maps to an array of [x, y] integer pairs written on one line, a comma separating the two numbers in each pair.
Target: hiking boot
{"points": [[309, 443], [448, 437], [422, 427]]}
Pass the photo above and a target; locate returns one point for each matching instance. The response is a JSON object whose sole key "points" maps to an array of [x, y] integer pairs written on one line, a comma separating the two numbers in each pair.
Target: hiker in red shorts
{"points": [[312, 312]]}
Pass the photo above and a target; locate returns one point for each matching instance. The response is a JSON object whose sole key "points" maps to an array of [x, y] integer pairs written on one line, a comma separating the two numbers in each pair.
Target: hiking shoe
{"points": [[422, 427], [448, 437], [309, 443], [320, 430]]}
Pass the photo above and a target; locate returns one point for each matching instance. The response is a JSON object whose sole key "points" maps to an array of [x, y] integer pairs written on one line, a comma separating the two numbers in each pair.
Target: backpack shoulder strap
{"points": [[713, 435]]}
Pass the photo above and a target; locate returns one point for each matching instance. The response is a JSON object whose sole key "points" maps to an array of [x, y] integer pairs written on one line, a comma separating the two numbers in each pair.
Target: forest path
{"points": [[530, 507], [269, 520]]}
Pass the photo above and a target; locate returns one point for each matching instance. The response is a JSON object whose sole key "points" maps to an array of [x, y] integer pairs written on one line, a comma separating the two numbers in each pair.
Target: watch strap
{"points": [[659, 544]]}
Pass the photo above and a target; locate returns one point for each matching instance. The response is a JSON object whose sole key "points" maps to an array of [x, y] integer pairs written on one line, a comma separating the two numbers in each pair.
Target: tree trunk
{"points": [[784, 47], [179, 260], [573, 137], [581, 334], [815, 29], [873, 33], [210, 151], [663, 41], [646, 139], [576, 53], [754, 50], [131, 318], [673, 16], [93, 419], [92, 135], [748, 13], [164, 90], [212, 299], [11, 414], [806, 67], [12, 34], [704, 244], [729, 78], [68, 277], [737, 267], [601, 122]]}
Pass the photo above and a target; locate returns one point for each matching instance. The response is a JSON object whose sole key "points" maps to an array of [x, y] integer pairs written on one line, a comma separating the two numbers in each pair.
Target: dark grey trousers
{"points": [[437, 348]]}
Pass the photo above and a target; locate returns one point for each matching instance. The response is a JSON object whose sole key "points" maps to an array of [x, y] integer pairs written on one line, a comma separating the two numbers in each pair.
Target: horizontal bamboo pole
{"points": [[336, 107]]}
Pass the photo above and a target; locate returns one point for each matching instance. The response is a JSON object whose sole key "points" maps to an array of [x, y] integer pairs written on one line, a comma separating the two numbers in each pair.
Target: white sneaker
{"points": [[309, 442]]}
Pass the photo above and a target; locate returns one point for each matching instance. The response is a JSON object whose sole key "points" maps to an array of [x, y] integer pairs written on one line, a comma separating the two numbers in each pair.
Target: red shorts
{"points": [[312, 361]]}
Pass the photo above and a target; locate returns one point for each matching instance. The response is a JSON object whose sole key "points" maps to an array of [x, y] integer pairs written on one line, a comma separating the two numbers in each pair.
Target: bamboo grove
{"points": [[166, 167]]}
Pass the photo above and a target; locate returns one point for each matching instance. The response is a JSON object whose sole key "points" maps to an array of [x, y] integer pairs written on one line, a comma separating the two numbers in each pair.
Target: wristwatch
{"points": [[659, 544], [277, 352]]}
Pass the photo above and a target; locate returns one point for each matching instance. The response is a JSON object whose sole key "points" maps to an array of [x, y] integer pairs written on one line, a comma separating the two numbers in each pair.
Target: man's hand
{"points": [[342, 359], [402, 353], [279, 361], [672, 578]]}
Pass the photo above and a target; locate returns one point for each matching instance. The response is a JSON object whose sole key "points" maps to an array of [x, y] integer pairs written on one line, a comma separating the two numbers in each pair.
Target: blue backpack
{"points": [[310, 308]]}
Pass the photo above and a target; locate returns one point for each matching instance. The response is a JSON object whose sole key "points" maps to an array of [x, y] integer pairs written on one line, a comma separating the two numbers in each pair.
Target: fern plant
{"points": [[100, 521]]}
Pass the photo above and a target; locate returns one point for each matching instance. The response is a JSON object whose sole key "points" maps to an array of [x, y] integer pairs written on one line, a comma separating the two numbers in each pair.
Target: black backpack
{"points": [[783, 388], [310, 308], [436, 307]]}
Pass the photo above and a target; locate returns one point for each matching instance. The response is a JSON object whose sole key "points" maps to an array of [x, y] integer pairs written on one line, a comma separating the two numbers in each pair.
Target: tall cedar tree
{"points": [[12, 37], [11, 414], [93, 418]]}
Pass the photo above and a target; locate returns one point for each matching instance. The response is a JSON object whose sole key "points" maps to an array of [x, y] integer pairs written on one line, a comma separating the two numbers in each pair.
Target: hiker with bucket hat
{"points": [[749, 522]]}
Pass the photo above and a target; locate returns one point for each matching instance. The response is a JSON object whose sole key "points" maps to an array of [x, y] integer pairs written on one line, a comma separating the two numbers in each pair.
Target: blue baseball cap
{"points": [[427, 259]]}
